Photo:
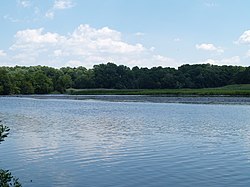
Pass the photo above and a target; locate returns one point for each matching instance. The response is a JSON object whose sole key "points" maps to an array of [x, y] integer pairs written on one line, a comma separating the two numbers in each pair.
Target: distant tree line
{"points": [[44, 80]]}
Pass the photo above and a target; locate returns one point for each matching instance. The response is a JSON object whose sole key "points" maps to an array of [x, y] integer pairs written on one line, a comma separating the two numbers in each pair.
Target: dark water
{"points": [[100, 143]]}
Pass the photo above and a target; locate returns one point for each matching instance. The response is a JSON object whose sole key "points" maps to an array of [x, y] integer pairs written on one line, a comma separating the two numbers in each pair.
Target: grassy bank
{"points": [[231, 90]]}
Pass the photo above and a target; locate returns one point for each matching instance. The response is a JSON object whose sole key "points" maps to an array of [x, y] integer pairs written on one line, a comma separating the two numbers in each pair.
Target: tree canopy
{"points": [[44, 80]]}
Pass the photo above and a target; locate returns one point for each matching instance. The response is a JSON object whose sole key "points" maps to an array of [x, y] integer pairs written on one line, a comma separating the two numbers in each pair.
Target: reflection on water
{"points": [[95, 143]]}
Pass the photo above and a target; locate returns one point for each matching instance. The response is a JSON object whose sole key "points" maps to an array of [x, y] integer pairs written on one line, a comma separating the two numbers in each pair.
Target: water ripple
{"points": [[96, 143]]}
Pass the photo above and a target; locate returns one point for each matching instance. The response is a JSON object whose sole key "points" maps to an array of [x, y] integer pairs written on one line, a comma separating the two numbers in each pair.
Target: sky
{"points": [[144, 33]]}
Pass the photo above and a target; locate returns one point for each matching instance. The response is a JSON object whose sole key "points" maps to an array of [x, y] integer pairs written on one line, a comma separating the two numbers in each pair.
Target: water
{"points": [[99, 143]]}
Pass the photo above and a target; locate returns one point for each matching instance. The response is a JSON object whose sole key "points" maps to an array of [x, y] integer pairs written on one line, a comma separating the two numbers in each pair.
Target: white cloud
{"points": [[2, 53], [11, 19], [50, 14], [140, 34], [85, 46], [152, 49], [63, 4], [34, 12], [58, 53], [36, 36], [244, 38], [59, 5], [209, 47], [160, 58], [164, 61], [24, 3], [235, 60], [73, 63]]}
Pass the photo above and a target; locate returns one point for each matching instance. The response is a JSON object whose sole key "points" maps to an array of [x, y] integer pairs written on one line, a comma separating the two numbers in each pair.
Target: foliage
{"points": [[44, 80], [236, 90], [6, 178], [4, 132]]}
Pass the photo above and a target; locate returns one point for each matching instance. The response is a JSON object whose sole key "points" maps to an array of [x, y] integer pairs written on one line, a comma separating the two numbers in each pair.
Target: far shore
{"points": [[188, 99]]}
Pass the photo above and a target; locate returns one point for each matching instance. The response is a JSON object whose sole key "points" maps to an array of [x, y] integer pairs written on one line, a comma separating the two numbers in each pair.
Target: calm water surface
{"points": [[99, 143]]}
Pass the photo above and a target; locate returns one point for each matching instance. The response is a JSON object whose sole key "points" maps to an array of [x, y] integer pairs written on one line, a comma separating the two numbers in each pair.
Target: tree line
{"points": [[44, 80]]}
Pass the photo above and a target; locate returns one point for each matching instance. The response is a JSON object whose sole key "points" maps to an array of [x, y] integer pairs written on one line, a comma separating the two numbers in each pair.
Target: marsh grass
{"points": [[230, 90]]}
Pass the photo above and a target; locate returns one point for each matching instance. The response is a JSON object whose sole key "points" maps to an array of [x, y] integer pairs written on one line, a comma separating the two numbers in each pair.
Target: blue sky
{"points": [[130, 32]]}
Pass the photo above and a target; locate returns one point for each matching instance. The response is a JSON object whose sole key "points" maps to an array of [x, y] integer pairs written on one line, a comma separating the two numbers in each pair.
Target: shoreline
{"points": [[187, 99]]}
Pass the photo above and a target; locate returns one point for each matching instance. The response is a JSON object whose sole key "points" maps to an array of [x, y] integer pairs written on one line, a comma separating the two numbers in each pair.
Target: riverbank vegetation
{"points": [[232, 90], [118, 79]]}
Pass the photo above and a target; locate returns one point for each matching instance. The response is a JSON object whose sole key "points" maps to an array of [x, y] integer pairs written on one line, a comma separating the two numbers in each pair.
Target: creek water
{"points": [[59, 142]]}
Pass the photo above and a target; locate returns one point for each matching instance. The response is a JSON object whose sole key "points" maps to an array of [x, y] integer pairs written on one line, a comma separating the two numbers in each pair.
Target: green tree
{"points": [[63, 82], [105, 75], [42, 83], [5, 82], [84, 78], [22, 81], [243, 77], [44, 80]]}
